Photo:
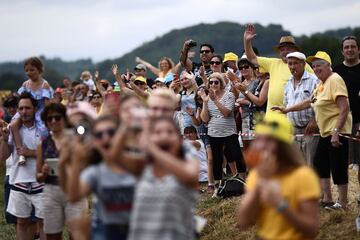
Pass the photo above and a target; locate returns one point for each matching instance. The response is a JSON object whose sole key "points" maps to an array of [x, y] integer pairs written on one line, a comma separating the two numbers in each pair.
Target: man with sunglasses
{"points": [[349, 70], [277, 67], [25, 190], [206, 53]]}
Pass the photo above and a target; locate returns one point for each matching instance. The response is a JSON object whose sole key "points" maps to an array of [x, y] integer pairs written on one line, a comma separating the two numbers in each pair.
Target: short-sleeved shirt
{"points": [[326, 111], [298, 185], [114, 191], [351, 76], [219, 125], [196, 71], [302, 92], [279, 76]]}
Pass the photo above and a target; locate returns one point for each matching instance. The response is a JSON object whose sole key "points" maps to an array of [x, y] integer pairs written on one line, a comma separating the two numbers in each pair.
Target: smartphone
{"points": [[53, 164]]}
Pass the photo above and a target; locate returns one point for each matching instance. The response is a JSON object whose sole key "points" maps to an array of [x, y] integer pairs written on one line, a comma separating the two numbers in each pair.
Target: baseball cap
{"points": [[319, 55], [297, 55], [140, 66], [230, 56], [141, 79], [276, 125]]}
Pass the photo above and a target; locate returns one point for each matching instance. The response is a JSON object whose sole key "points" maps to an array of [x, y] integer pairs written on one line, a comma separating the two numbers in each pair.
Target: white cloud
{"points": [[110, 28]]}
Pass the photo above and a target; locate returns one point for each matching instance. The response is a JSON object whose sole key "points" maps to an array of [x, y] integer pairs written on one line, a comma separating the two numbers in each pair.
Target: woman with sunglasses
{"points": [[112, 186], [57, 209], [218, 112], [282, 192], [96, 100]]}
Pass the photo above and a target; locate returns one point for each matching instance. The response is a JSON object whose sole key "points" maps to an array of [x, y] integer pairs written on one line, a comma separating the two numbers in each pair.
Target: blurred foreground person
{"points": [[168, 178], [282, 193]]}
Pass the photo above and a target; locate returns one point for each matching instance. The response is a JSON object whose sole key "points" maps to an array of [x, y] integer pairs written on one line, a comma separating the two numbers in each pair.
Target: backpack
{"points": [[234, 186]]}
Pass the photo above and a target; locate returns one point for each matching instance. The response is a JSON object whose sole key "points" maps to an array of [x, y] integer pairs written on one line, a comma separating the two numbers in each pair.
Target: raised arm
{"points": [[186, 62], [98, 85], [249, 35], [176, 68], [153, 69]]}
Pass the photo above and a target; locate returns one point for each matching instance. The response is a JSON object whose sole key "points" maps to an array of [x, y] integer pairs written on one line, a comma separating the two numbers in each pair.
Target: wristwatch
{"points": [[335, 130], [282, 206], [246, 92]]}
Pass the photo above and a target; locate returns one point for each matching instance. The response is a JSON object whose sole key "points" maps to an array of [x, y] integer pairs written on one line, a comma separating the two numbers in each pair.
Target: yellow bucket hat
{"points": [[230, 56], [319, 55], [276, 125]]}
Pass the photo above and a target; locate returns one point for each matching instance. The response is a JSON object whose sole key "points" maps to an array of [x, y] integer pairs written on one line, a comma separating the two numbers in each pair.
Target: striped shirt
{"points": [[163, 207], [219, 125], [296, 95]]}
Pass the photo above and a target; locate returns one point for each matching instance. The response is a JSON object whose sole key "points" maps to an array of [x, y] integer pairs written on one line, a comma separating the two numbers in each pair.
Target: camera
{"points": [[192, 43]]}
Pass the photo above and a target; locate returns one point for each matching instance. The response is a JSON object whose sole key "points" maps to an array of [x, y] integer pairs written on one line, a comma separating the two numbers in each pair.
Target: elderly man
{"points": [[349, 70], [206, 53], [299, 87], [277, 67]]}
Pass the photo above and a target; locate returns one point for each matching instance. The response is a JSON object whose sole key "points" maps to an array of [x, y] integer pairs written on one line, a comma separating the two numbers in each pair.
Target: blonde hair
{"points": [[169, 61], [166, 94], [219, 77]]}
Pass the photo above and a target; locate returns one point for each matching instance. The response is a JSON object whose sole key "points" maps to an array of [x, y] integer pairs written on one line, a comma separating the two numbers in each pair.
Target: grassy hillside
{"points": [[224, 36]]}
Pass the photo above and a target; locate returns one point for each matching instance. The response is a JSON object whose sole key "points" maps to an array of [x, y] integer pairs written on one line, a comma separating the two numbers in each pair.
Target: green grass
{"points": [[221, 221], [220, 215]]}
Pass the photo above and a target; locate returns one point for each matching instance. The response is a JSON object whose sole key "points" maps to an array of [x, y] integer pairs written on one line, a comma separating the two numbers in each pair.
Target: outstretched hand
{"points": [[115, 69], [250, 32], [279, 108]]}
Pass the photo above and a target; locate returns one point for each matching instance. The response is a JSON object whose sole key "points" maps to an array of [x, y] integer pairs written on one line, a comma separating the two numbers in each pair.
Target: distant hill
{"points": [[224, 36]]}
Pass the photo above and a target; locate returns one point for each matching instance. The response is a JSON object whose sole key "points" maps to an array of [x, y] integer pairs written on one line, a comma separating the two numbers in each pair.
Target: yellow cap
{"points": [[141, 79], [319, 55], [276, 125], [230, 56]]}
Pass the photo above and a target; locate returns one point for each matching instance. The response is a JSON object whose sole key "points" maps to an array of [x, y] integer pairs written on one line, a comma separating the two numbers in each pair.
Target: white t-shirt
{"points": [[90, 83], [26, 173], [203, 164], [8, 164]]}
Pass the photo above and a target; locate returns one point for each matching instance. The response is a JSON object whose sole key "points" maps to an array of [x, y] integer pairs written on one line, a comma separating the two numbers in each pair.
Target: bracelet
{"points": [[282, 206]]}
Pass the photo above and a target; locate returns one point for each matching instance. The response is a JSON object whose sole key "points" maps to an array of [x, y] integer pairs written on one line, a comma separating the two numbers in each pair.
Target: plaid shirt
{"points": [[296, 95]]}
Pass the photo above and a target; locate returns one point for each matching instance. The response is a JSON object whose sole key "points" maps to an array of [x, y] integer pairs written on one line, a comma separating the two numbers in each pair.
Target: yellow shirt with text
{"points": [[326, 111], [298, 185]]}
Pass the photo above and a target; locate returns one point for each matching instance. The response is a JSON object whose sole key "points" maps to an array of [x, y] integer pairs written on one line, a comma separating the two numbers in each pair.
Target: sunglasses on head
{"points": [[51, 118], [205, 51], [244, 67], [349, 38], [100, 134], [215, 62], [214, 82]]}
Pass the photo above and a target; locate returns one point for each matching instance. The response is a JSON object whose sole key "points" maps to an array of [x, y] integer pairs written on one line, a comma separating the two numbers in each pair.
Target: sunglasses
{"points": [[139, 83], [214, 82], [244, 67], [205, 51], [95, 97], [51, 118], [349, 38], [100, 134], [215, 62]]}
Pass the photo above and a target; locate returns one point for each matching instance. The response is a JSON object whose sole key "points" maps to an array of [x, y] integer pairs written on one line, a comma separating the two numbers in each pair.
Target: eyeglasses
{"points": [[110, 132], [244, 67], [51, 118], [205, 51], [214, 82], [215, 62], [139, 83]]}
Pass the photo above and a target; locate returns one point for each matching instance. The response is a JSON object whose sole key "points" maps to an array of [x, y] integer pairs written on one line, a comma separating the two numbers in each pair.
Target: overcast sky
{"points": [[101, 29]]}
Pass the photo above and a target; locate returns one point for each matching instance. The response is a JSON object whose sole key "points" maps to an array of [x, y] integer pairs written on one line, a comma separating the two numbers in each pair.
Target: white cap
{"points": [[297, 55], [159, 80]]}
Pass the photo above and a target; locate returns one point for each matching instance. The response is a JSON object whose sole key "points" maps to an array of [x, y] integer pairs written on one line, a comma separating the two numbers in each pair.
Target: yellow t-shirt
{"points": [[296, 186], [326, 110], [279, 76]]}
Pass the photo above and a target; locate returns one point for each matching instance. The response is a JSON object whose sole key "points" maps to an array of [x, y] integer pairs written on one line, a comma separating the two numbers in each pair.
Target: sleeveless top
{"points": [[186, 100], [49, 150], [40, 95], [162, 209]]}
